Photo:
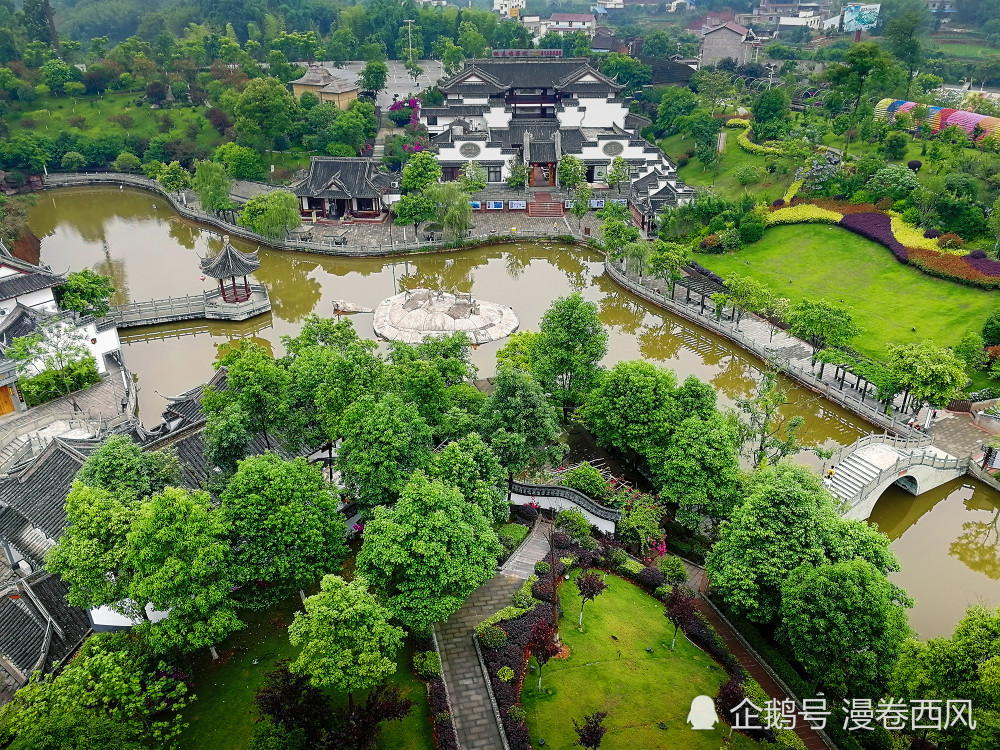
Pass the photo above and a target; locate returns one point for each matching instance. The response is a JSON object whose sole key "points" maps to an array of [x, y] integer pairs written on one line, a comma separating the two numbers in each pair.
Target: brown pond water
{"points": [[150, 252]]}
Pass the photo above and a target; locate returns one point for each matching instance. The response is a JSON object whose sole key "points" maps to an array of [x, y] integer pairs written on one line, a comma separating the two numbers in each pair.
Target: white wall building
{"points": [[509, 8], [499, 112]]}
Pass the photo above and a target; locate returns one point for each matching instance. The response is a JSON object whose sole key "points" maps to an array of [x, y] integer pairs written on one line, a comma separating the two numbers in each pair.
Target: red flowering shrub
{"points": [[711, 242], [993, 352], [950, 240]]}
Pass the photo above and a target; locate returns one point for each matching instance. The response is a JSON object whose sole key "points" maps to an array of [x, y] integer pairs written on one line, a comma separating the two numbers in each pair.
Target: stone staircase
{"points": [[852, 474], [543, 206], [378, 149]]}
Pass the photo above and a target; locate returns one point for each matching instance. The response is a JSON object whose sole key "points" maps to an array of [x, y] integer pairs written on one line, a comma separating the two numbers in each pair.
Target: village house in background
{"points": [[328, 87], [730, 40]]}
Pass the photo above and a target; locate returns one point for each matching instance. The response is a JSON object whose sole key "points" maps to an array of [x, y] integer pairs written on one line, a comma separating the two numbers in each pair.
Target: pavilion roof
{"points": [[230, 262]]}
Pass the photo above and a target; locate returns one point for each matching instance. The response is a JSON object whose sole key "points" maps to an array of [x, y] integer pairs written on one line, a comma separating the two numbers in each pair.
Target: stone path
{"points": [[472, 712], [698, 580]]}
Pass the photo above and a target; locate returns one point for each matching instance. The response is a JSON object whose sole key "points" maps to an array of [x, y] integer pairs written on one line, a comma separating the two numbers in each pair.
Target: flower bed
{"points": [[755, 148], [876, 227], [801, 213], [737, 122], [983, 273], [910, 235]]}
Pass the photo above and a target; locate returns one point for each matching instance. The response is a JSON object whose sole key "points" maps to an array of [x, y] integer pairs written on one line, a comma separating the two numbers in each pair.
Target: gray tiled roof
{"points": [[22, 636], [195, 467], [545, 151], [27, 282], [230, 262], [344, 177], [187, 405], [455, 109], [20, 321], [531, 73]]}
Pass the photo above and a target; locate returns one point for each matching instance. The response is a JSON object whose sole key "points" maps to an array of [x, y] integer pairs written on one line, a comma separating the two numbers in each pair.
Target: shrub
{"points": [[662, 592], [710, 243], [586, 479], [755, 148], [615, 557], [542, 567], [506, 542], [521, 599], [801, 214], [492, 637], [877, 228], [915, 165], [528, 513], [894, 181], [427, 664], [517, 714], [512, 534], [651, 578], [673, 569], [793, 189], [884, 203], [574, 523], [506, 674], [73, 160], [932, 233], [631, 568], [778, 202], [752, 228], [542, 591], [730, 239], [950, 240], [126, 162], [910, 236], [50, 384], [748, 174], [588, 543], [737, 122], [560, 540], [912, 216], [683, 160], [991, 329]]}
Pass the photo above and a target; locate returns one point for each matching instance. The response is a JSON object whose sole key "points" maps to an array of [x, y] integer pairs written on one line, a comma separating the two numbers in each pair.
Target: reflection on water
{"points": [[946, 541], [153, 253]]}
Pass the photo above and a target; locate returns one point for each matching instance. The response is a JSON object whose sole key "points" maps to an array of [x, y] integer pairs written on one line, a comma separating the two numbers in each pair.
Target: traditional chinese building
{"points": [[326, 86], [498, 112], [338, 187]]}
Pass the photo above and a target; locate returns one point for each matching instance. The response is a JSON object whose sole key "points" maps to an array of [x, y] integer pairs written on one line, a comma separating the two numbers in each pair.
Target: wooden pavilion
{"points": [[230, 263]]}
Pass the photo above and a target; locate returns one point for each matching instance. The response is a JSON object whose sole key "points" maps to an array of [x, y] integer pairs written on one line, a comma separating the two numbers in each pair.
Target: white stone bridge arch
{"points": [[870, 466]]}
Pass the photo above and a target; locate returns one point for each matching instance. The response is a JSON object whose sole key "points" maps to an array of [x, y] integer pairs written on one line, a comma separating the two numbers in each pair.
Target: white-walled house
{"points": [[535, 110], [27, 301]]}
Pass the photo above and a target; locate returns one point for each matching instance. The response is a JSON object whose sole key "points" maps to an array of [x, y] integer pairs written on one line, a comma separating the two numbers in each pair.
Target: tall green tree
{"points": [[86, 293], [264, 110], [771, 112], [767, 434], [258, 383], [284, 528], [846, 624], [177, 556], [453, 208], [413, 208], [572, 171], [174, 178], [788, 519], [860, 62], [666, 261], [121, 467], [272, 214], [374, 76], [746, 295], [471, 465], [932, 374], [821, 323], [906, 36], [619, 173], [700, 469], [347, 641], [428, 552], [385, 441], [575, 342], [212, 185], [522, 426]]}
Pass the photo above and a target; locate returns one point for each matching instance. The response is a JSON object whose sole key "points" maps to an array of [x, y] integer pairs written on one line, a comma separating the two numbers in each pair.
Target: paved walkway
{"points": [[472, 713], [698, 580]]}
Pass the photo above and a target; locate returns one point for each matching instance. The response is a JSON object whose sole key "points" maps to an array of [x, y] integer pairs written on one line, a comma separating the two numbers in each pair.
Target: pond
{"points": [[152, 253]]}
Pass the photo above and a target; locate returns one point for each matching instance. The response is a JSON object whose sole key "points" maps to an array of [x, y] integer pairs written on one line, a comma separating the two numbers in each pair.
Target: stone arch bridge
{"points": [[870, 466]]}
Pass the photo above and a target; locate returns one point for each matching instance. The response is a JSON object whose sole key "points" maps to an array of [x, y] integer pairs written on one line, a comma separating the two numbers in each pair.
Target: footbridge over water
{"points": [[871, 465]]}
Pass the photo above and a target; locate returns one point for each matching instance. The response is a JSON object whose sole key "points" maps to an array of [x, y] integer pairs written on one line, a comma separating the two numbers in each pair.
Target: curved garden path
{"points": [[471, 710]]}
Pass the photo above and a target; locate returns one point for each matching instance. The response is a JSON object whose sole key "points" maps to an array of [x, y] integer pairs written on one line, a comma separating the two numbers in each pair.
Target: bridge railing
{"points": [[204, 305], [568, 493], [906, 443], [922, 458]]}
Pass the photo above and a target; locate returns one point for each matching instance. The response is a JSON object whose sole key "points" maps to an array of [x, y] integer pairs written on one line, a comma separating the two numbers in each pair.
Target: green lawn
{"points": [[637, 689], [223, 716], [886, 298], [967, 50], [720, 178], [49, 115]]}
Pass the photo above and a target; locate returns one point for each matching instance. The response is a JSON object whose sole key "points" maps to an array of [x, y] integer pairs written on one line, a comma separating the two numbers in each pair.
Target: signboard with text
{"points": [[527, 53], [859, 17]]}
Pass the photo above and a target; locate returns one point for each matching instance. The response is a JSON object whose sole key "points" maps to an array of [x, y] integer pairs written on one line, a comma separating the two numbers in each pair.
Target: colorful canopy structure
{"points": [[939, 118]]}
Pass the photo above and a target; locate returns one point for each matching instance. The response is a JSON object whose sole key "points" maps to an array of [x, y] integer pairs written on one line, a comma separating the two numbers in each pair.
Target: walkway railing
{"points": [[328, 247], [896, 423], [923, 441], [921, 458], [208, 306], [568, 493]]}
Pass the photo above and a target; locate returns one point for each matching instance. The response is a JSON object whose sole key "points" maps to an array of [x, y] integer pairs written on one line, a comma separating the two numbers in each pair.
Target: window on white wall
{"points": [[494, 174]]}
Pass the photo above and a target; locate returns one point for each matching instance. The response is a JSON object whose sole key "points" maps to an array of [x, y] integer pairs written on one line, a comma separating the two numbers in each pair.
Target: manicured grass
{"points": [[223, 716], [720, 178], [515, 531], [636, 688], [886, 298], [967, 50], [50, 114]]}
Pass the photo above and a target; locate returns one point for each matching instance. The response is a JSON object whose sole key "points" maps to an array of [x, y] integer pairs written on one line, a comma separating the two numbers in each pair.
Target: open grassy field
{"points": [[887, 299], [50, 115], [223, 716], [637, 688], [721, 178]]}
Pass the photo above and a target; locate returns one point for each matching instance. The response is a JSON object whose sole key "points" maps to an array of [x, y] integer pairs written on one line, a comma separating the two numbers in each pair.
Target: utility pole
{"points": [[409, 31]]}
